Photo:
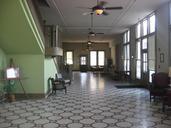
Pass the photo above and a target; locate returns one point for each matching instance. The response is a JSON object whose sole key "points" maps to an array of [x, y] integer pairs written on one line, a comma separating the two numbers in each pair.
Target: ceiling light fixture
{"points": [[89, 42], [99, 10]]}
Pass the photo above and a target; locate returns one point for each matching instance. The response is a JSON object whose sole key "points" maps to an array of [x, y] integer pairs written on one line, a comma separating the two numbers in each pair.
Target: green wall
{"points": [[31, 70], [3, 63], [49, 71], [20, 40], [17, 36]]}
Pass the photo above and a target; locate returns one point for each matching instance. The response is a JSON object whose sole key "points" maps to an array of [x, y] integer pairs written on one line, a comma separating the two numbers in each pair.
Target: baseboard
{"points": [[29, 96]]}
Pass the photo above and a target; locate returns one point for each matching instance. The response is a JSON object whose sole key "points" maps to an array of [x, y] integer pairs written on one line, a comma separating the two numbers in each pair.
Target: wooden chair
{"points": [[57, 85]]}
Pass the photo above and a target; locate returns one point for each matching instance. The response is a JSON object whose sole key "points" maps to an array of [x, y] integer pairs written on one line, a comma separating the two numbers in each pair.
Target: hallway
{"points": [[91, 101]]}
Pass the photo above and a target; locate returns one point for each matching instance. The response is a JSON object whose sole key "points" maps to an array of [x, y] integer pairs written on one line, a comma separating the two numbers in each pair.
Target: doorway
{"points": [[83, 63]]}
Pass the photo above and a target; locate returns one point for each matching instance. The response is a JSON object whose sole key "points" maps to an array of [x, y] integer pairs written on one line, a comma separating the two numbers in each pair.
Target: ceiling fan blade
{"points": [[86, 13], [83, 7], [113, 8], [102, 3], [100, 33], [105, 13]]}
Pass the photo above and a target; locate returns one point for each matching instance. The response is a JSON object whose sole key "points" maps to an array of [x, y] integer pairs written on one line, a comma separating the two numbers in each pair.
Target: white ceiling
{"points": [[68, 15]]}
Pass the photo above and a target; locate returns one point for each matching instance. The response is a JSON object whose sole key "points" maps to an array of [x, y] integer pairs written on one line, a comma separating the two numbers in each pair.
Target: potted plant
{"points": [[9, 89]]}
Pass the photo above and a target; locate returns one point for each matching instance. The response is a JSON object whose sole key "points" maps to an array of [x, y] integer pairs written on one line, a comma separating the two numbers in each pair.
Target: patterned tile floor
{"points": [[92, 101]]}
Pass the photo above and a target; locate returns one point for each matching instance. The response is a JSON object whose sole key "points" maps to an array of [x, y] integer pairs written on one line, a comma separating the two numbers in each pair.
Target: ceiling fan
{"points": [[91, 32], [100, 8]]}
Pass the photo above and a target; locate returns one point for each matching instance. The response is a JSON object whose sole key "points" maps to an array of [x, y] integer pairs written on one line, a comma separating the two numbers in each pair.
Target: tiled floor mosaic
{"points": [[91, 102]]}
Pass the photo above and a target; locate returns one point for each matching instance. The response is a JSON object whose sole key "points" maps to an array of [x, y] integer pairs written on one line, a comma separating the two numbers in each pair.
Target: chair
{"points": [[57, 85], [167, 99], [160, 82], [62, 79]]}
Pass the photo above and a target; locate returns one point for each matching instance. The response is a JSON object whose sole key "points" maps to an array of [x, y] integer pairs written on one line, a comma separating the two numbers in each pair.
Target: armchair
{"points": [[167, 99], [63, 80], [160, 82], [57, 85]]}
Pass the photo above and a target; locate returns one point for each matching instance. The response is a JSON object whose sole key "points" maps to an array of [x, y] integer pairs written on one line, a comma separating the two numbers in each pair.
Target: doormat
{"points": [[129, 86]]}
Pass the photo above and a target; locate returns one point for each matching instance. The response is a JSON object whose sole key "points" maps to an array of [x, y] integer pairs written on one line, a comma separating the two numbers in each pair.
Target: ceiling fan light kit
{"points": [[92, 34], [99, 11], [89, 42]]}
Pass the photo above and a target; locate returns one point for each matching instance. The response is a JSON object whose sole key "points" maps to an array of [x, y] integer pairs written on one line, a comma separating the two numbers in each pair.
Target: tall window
{"points": [[97, 58], [93, 58], [138, 60], [126, 47], [101, 58], [69, 57], [145, 47]]}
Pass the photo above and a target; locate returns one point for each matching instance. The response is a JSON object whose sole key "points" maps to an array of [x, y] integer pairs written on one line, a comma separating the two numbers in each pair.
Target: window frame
{"points": [[71, 58], [97, 58], [126, 52], [141, 38]]}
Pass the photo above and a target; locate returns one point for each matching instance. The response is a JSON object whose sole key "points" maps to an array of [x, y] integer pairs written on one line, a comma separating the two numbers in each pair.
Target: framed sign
{"points": [[161, 57]]}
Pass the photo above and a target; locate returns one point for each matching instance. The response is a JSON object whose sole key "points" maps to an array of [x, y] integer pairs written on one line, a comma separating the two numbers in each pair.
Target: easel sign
{"points": [[12, 73]]}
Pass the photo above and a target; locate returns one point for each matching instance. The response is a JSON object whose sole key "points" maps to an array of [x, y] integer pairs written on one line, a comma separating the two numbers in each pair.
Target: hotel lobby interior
{"points": [[85, 64]]}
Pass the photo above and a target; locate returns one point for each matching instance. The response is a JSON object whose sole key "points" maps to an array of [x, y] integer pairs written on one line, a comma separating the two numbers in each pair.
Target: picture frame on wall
{"points": [[161, 57]]}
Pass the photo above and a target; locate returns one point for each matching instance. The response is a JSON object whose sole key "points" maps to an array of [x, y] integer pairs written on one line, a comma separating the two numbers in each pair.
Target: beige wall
{"points": [[162, 38], [80, 49]]}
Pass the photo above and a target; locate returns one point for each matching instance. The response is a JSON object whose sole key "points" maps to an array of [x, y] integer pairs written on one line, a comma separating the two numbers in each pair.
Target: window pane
{"points": [[150, 73], [125, 40], [125, 65], [145, 57], [151, 47], [152, 23], [138, 50], [125, 52], [138, 69], [101, 58], [138, 30], [128, 35], [128, 51], [144, 66], [144, 27], [93, 58], [128, 65], [144, 43], [83, 60], [144, 62], [69, 57]]}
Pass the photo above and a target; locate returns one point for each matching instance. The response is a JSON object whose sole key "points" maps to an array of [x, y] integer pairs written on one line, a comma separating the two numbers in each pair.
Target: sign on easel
{"points": [[12, 73]]}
